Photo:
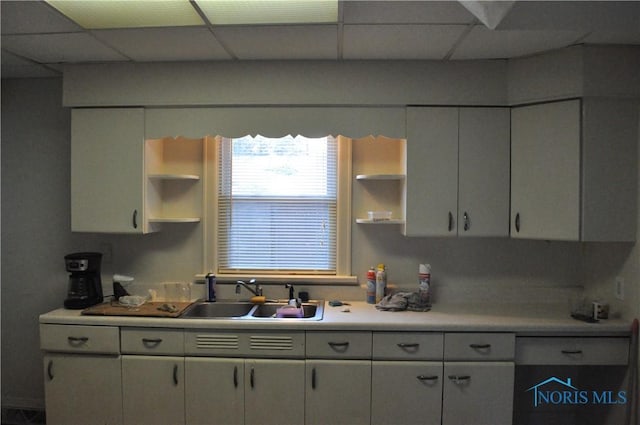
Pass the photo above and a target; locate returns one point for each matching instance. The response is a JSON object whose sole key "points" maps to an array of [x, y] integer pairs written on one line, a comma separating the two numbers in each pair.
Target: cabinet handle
{"points": [[251, 377], [480, 346], [50, 370], [313, 378], [517, 222], [408, 346], [235, 376], [339, 346], [151, 342], [571, 352], [175, 374], [450, 225], [427, 378], [458, 380], [467, 222], [135, 219], [77, 340]]}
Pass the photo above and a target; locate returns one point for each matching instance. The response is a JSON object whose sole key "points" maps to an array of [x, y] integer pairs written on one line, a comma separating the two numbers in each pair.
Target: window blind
{"points": [[277, 205]]}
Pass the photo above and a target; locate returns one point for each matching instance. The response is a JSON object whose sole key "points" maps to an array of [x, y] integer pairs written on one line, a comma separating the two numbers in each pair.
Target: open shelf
{"points": [[174, 176], [380, 177], [368, 221]]}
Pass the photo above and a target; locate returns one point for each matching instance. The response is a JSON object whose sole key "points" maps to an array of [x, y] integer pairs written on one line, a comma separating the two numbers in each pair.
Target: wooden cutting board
{"points": [[149, 309]]}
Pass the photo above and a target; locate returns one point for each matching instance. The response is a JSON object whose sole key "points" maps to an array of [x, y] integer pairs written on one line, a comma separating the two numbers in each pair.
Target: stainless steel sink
{"points": [[270, 310], [221, 310], [242, 310]]}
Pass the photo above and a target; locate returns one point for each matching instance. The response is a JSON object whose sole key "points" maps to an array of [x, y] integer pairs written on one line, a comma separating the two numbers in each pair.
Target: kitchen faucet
{"points": [[256, 292], [292, 295]]}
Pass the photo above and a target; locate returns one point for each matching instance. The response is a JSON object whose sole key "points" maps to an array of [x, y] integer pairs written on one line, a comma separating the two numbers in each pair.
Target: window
{"points": [[278, 205]]}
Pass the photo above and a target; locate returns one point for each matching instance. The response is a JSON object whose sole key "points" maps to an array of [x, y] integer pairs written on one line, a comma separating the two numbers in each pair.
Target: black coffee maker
{"points": [[85, 286]]}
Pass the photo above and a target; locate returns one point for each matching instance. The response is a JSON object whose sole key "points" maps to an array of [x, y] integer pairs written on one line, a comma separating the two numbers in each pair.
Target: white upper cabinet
{"points": [[122, 183], [457, 171], [545, 171], [107, 169], [483, 172], [573, 170]]}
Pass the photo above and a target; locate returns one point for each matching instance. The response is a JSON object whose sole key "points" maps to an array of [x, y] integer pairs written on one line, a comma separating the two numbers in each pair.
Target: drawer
{"points": [[343, 345], [572, 351], [407, 346], [80, 339], [479, 346], [152, 341]]}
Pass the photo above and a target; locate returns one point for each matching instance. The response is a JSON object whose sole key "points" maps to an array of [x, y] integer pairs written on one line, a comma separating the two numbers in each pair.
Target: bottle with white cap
{"points": [[424, 280], [381, 282]]}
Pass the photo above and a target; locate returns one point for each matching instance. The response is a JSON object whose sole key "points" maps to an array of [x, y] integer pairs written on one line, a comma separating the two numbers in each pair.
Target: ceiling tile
{"points": [[405, 12], [483, 43], [164, 44], [614, 37], [53, 48], [28, 17], [399, 41], [573, 15], [17, 67], [281, 42]]}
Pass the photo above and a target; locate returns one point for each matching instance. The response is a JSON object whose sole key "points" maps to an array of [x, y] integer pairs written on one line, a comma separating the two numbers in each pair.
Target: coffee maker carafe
{"points": [[85, 286]]}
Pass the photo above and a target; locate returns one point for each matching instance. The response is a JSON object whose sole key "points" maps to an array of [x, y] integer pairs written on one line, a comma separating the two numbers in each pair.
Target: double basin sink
{"points": [[243, 310]]}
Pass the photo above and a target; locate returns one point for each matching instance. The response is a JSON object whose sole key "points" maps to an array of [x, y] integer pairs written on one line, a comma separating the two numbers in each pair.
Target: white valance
{"points": [[354, 122]]}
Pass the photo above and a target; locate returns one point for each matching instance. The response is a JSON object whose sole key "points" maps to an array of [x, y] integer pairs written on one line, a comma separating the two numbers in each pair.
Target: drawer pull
{"points": [[480, 346], [50, 370], [77, 340], [569, 352], [313, 378], [175, 375], [406, 346], [339, 346], [235, 376], [252, 377], [151, 342], [460, 380], [427, 378]]}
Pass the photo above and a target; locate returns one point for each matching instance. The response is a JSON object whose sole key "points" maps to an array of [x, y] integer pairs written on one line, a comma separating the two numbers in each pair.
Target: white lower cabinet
{"points": [[478, 393], [274, 392], [138, 376], [82, 389], [153, 390], [225, 391], [406, 393], [338, 392], [214, 391]]}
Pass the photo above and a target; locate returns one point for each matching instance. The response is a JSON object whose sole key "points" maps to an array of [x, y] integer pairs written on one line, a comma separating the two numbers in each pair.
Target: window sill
{"points": [[279, 279]]}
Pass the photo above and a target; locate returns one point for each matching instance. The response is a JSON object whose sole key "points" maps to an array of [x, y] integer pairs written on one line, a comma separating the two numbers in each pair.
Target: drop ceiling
{"points": [[37, 40]]}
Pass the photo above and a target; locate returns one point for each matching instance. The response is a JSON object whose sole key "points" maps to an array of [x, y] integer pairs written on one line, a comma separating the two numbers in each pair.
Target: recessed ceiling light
{"points": [[247, 12], [100, 14]]}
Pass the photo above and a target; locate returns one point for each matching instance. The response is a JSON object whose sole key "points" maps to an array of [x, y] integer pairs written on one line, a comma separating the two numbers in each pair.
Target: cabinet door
{"points": [[477, 393], [406, 393], [545, 171], [214, 391], [338, 392], [153, 390], [274, 392], [107, 170], [432, 171], [483, 172], [82, 389]]}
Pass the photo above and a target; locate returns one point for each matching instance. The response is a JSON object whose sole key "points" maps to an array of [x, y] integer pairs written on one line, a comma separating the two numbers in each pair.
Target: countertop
{"points": [[523, 319]]}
